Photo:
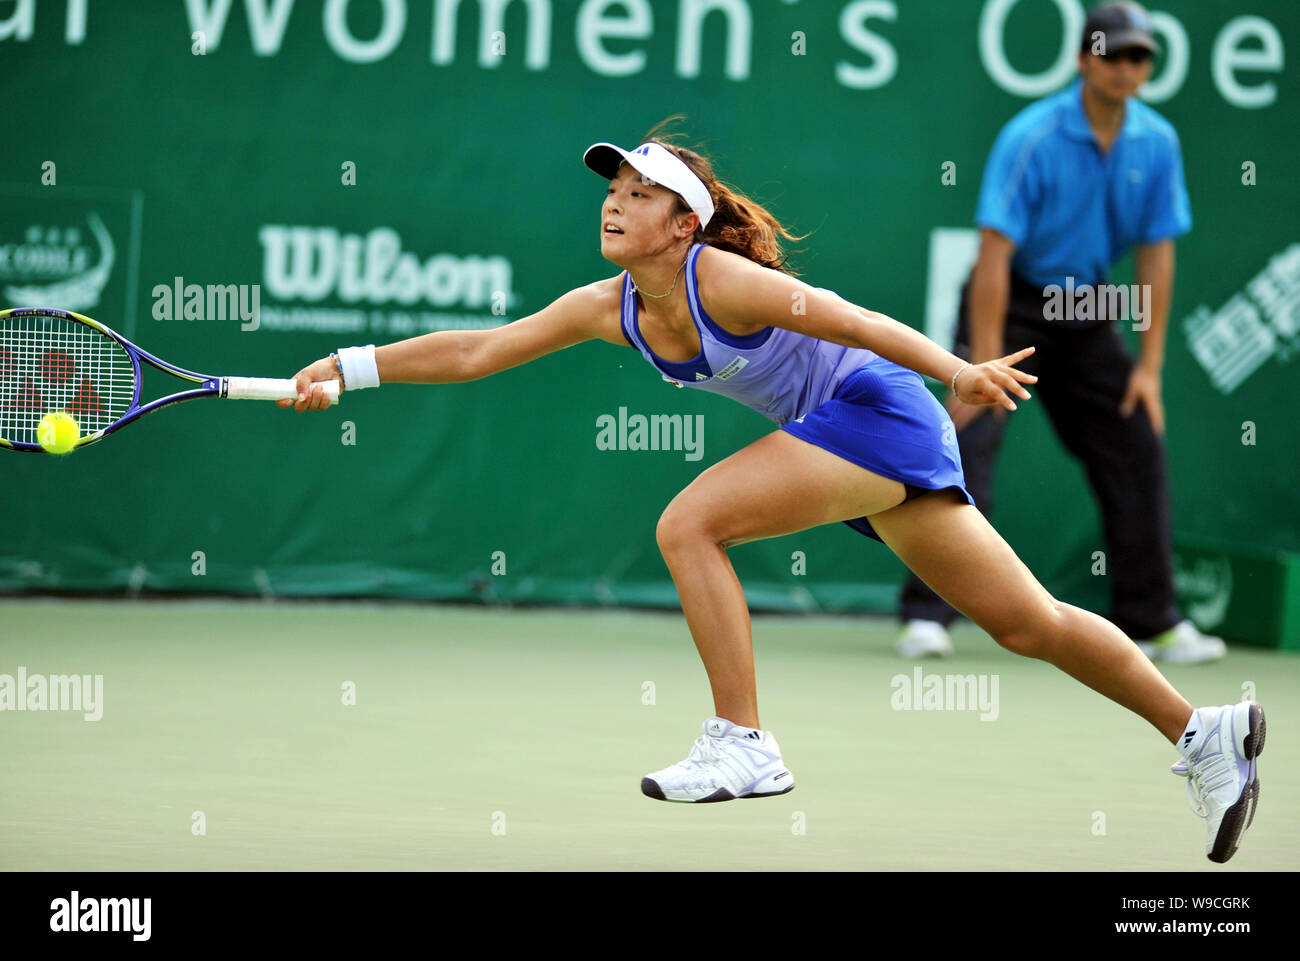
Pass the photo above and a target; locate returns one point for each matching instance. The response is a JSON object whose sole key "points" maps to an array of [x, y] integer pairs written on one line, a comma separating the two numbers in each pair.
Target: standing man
{"points": [[1073, 182]]}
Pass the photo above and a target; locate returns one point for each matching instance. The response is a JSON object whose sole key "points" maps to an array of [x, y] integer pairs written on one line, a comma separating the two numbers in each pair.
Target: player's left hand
{"points": [[994, 381], [1144, 387]]}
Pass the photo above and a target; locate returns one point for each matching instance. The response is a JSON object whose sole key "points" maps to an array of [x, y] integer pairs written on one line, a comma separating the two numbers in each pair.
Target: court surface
{"points": [[515, 739]]}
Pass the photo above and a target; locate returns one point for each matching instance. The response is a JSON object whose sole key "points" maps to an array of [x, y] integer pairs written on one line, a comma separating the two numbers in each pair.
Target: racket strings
{"points": [[51, 363]]}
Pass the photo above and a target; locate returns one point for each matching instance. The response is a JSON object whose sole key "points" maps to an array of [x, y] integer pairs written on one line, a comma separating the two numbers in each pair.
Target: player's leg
{"points": [[925, 615], [780, 485], [1125, 462], [776, 485], [994, 588], [1221, 745], [980, 431]]}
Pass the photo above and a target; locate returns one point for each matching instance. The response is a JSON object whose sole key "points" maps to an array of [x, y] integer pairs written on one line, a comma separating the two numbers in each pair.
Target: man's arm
{"points": [[990, 289], [1153, 268]]}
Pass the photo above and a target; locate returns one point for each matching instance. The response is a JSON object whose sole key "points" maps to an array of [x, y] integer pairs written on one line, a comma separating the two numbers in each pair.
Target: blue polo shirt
{"points": [[1071, 211]]}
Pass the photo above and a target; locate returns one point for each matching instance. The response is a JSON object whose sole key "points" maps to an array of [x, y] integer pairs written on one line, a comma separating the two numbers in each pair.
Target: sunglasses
{"points": [[1133, 55]]}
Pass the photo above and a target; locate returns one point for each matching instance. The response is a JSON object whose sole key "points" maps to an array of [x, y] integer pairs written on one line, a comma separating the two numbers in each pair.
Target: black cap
{"points": [[1125, 25]]}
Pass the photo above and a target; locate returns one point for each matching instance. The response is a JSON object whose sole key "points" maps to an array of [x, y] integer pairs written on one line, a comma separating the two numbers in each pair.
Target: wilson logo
{"points": [[318, 263]]}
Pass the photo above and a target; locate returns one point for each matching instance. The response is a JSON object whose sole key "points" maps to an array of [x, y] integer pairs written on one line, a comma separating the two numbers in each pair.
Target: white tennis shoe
{"points": [[1183, 644], [727, 762], [1221, 757], [924, 639]]}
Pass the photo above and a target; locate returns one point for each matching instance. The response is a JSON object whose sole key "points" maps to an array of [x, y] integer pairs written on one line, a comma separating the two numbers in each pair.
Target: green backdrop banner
{"points": [[242, 187]]}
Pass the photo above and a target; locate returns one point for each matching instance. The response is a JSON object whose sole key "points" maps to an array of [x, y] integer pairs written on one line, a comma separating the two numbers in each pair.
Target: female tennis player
{"points": [[706, 297]]}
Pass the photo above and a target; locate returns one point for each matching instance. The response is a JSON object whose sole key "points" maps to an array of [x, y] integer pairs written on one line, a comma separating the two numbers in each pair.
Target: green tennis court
{"points": [[500, 739]]}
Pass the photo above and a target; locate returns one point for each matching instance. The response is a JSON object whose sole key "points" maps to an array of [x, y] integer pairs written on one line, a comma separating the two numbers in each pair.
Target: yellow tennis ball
{"points": [[58, 432]]}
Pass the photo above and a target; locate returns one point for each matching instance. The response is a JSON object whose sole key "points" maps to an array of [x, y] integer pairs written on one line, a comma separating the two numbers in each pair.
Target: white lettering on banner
{"points": [[1264, 320], [1229, 56], [1173, 39], [266, 22], [853, 29], [537, 51], [594, 25], [711, 36], [21, 22], [992, 31], [313, 263], [75, 31], [349, 47], [690, 24]]}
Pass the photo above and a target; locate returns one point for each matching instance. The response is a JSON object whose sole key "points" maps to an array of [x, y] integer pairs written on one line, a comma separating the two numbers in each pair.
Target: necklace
{"points": [[657, 296]]}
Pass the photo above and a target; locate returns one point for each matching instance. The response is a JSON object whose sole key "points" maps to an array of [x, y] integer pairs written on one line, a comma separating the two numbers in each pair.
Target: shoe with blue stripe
{"points": [[727, 762], [1220, 762]]}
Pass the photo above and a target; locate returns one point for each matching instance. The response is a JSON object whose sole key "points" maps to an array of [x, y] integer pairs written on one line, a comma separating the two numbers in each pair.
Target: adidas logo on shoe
{"points": [[1222, 777], [727, 762]]}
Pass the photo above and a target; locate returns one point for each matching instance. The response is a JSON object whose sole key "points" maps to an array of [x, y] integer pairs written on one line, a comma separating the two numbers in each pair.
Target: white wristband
{"points": [[359, 368]]}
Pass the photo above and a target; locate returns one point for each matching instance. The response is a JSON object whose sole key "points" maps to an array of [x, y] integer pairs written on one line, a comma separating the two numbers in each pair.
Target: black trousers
{"points": [[1083, 373]]}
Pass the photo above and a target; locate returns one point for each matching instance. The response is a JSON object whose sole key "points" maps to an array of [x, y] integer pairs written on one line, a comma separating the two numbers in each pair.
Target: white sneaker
{"points": [[1183, 644], [924, 639], [727, 762], [1222, 785]]}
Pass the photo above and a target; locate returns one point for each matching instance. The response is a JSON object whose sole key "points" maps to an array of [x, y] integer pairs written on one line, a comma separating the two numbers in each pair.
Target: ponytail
{"points": [[738, 224]]}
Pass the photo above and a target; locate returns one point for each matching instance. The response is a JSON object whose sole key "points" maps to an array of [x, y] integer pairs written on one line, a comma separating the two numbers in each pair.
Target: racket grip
{"points": [[270, 388]]}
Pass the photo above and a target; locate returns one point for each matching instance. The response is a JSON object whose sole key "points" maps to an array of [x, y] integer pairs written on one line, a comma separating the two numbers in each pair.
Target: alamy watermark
{"points": [[54, 692], [946, 692], [683, 432], [181, 301], [76, 914], [1123, 302]]}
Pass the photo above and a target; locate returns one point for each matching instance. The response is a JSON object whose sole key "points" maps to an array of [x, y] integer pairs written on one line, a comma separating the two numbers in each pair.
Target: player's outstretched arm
{"points": [[739, 290], [456, 356]]}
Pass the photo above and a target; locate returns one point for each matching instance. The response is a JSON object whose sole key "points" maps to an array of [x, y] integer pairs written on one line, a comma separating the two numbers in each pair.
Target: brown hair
{"points": [[738, 224]]}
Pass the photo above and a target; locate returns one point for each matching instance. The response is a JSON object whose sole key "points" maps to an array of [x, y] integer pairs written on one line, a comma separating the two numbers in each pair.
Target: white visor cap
{"points": [[659, 166]]}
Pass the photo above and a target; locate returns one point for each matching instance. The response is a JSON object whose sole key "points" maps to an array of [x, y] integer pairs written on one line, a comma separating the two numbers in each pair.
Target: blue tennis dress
{"points": [[847, 400]]}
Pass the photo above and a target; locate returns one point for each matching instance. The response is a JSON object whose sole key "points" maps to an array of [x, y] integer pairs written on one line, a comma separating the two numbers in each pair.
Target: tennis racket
{"points": [[55, 360]]}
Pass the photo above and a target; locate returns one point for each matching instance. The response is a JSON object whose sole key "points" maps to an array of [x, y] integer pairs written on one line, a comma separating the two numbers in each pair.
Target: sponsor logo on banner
{"points": [[72, 248], [63, 265], [1257, 323], [320, 279], [1205, 588]]}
